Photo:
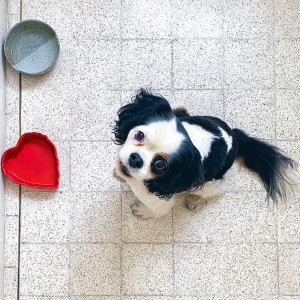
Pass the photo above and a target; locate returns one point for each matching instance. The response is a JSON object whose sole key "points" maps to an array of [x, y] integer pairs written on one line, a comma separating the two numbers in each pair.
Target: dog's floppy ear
{"points": [[185, 173], [144, 108]]}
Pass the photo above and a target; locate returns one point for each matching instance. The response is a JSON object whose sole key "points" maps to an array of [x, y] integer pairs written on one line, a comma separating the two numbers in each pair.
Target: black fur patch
{"points": [[185, 173], [264, 159], [144, 109]]}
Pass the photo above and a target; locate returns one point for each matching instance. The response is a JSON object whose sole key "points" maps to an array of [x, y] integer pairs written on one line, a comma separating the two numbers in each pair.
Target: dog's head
{"points": [[155, 147]]}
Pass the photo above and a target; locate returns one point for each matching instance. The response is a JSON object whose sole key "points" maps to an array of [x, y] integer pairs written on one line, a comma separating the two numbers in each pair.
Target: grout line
{"points": [[151, 295], [173, 252], [214, 244], [121, 184], [19, 245], [223, 66], [275, 133], [172, 65], [20, 187]]}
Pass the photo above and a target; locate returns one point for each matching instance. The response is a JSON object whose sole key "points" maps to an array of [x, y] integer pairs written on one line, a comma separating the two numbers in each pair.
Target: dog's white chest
{"points": [[201, 138]]}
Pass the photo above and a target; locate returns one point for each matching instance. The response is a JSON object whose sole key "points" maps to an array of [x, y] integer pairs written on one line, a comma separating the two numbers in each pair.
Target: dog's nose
{"points": [[135, 161]]}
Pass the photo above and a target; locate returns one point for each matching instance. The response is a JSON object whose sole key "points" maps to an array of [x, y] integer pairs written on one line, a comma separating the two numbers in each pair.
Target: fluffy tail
{"points": [[278, 172]]}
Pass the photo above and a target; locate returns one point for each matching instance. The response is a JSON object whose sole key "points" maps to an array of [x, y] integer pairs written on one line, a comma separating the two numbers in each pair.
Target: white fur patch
{"points": [[201, 138], [289, 183], [161, 137], [227, 138]]}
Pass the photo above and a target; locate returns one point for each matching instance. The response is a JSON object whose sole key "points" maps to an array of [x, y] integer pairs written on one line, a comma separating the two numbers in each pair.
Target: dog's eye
{"points": [[160, 165], [139, 136]]}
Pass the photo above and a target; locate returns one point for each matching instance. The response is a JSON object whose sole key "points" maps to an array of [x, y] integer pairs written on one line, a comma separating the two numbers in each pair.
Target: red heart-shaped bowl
{"points": [[33, 162]]}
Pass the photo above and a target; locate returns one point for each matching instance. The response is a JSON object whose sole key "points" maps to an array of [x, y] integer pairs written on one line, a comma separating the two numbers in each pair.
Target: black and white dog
{"points": [[167, 152]]}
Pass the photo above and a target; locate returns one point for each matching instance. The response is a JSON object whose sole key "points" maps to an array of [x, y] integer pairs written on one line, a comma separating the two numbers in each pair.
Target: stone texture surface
{"points": [[289, 269], [147, 269], [252, 111], [233, 59], [95, 269], [198, 64], [206, 269], [287, 108], [44, 269]]}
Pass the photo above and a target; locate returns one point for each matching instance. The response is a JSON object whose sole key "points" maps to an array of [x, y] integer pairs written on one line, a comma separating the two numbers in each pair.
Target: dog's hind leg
{"points": [[211, 190]]}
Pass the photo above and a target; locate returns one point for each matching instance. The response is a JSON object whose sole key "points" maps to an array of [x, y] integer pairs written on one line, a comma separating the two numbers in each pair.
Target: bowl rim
{"points": [[36, 21]]}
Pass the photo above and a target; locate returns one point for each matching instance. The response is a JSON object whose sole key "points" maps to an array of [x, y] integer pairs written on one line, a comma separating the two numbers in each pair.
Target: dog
{"points": [[166, 153]]}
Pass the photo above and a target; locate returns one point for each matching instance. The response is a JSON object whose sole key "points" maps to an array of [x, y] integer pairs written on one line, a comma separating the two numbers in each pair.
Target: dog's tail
{"points": [[278, 172]]}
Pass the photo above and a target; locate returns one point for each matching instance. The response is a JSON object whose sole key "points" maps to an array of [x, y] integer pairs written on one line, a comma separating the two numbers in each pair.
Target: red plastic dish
{"points": [[33, 162]]}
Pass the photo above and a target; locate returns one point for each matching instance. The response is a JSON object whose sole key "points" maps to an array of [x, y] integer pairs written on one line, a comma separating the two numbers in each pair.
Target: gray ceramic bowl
{"points": [[31, 47]]}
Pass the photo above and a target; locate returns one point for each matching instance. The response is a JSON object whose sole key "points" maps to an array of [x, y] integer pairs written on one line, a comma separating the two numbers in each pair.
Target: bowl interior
{"points": [[32, 47]]}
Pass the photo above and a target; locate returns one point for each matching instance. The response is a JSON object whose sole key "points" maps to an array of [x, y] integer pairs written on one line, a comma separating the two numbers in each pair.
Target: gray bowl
{"points": [[31, 47]]}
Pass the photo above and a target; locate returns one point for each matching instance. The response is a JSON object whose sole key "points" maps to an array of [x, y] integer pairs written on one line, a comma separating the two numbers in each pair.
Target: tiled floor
{"points": [[235, 59]]}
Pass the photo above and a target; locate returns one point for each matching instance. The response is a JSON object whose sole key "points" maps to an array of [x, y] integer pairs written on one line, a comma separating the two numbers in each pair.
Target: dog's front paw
{"points": [[193, 202], [140, 210]]}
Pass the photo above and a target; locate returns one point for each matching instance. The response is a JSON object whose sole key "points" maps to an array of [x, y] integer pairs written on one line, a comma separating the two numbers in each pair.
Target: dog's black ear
{"points": [[145, 108], [185, 173]]}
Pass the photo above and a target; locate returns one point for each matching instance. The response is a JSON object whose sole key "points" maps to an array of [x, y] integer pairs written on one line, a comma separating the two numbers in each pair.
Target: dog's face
{"points": [[147, 149], [155, 147]]}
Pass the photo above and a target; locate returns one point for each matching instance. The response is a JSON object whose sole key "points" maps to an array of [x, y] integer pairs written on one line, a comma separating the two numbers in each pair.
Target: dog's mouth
{"points": [[123, 169]]}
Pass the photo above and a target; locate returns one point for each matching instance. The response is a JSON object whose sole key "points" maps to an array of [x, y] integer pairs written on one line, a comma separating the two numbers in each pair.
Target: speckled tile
{"points": [[12, 130], [288, 63], [97, 65], [146, 19], [95, 269], [149, 298], [44, 270], [225, 270], [96, 19], [289, 298], [12, 19], [249, 64], [252, 111], [92, 165], [137, 230], [45, 217], [287, 114], [147, 269], [58, 14], [241, 179], [13, 7], [198, 64], [235, 297], [95, 298], [203, 103], [11, 241], [248, 18], [289, 269], [197, 19], [10, 283], [11, 197], [96, 217], [93, 114], [233, 218], [287, 18], [63, 152], [146, 63], [289, 216], [46, 112], [12, 90], [43, 298]]}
